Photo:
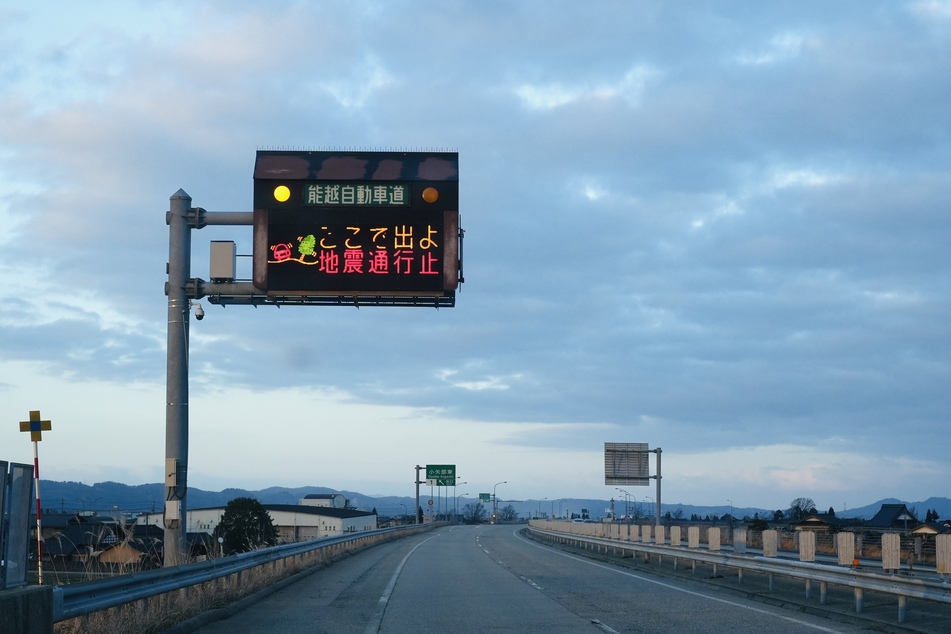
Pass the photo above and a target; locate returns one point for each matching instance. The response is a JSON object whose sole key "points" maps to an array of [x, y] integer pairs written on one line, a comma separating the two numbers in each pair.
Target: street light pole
{"points": [[495, 502], [455, 503], [627, 503], [461, 495]]}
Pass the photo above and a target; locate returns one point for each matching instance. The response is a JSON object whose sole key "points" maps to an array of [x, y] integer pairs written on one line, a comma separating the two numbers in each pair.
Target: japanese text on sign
{"points": [[402, 249], [441, 475], [356, 194]]}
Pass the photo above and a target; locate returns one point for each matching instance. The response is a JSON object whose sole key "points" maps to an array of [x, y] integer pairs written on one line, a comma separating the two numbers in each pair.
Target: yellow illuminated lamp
{"points": [[430, 194], [282, 193]]}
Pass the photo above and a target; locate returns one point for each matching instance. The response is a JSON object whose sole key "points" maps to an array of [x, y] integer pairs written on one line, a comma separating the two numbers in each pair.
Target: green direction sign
{"points": [[485, 497], [444, 475]]}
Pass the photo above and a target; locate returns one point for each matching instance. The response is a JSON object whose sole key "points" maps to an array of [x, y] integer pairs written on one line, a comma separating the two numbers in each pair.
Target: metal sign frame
{"points": [[626, 463], [374, 228]]}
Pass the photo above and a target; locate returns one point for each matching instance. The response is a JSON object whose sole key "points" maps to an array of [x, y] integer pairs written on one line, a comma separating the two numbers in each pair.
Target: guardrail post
{"points": [[739, 540], [859, 600], [808, 588], [823, 592], [902, 608], [845, 545], [693, 537], [943, 553], [807, 546], [891, 551]]}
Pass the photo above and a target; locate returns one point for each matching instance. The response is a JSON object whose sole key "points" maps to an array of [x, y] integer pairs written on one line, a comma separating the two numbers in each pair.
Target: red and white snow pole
{"points": [[36, 427]]}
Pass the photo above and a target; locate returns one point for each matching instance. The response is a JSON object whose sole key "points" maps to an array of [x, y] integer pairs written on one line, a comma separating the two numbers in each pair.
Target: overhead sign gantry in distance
{"points": [[379, 226]]}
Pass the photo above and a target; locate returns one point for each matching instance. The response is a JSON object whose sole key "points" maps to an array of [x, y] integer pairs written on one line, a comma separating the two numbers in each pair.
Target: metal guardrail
{"points": [[86, 597], [904, 587]]}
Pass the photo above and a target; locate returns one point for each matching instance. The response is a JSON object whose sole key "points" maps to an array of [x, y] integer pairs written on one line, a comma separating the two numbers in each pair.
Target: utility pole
{"points": [[658, 451], [181, 289], [176, 386]]}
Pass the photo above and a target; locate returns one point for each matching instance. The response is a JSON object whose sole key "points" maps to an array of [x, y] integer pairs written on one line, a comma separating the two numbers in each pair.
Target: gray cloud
{"points": [[729, 219]]}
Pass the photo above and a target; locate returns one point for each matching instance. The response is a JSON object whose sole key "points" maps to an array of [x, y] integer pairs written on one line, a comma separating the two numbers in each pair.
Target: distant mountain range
{"points": [[107, 498]]}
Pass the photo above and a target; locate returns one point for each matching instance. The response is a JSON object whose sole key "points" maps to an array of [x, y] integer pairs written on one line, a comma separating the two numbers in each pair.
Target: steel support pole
{"points": [[658, 450], [176, 403], [416, 518]]}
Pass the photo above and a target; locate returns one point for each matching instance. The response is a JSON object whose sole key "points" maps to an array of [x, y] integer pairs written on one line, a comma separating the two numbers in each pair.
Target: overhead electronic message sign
{"points": [[357, 223]]}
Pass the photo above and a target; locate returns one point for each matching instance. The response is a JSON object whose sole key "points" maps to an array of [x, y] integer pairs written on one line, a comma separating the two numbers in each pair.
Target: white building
{"points": [[294, 522], [333, 500]]}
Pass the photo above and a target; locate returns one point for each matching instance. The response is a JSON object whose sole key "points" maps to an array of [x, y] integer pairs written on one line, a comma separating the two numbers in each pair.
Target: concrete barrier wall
{"points": [[26, 610]]}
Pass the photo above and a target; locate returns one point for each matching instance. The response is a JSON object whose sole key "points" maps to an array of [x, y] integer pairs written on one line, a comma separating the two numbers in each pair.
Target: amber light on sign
{"points": [[282, 193]]}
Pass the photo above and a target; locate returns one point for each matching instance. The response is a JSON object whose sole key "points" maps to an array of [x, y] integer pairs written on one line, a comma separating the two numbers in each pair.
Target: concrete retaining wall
{"points": [[27, 610]]}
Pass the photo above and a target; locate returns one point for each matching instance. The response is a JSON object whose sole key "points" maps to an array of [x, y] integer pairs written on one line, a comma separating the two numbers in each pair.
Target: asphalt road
{"points": [[490, 579]]}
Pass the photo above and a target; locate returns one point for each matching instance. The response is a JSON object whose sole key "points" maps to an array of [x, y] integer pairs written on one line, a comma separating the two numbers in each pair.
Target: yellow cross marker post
{"points": [[36, 427]]}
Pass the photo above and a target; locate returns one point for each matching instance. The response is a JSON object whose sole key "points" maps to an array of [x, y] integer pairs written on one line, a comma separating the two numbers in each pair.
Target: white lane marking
{"points": [[377, 619], [672, 587], [604, 628], [530, 582]]}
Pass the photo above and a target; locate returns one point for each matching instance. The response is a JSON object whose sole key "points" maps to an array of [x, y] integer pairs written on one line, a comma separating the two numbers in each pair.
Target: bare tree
{"points": [[508, 513], [801, 507], [474, 513]]}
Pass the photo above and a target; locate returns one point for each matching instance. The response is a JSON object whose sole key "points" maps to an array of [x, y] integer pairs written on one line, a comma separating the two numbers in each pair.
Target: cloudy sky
{"points": [[719, 228]]}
